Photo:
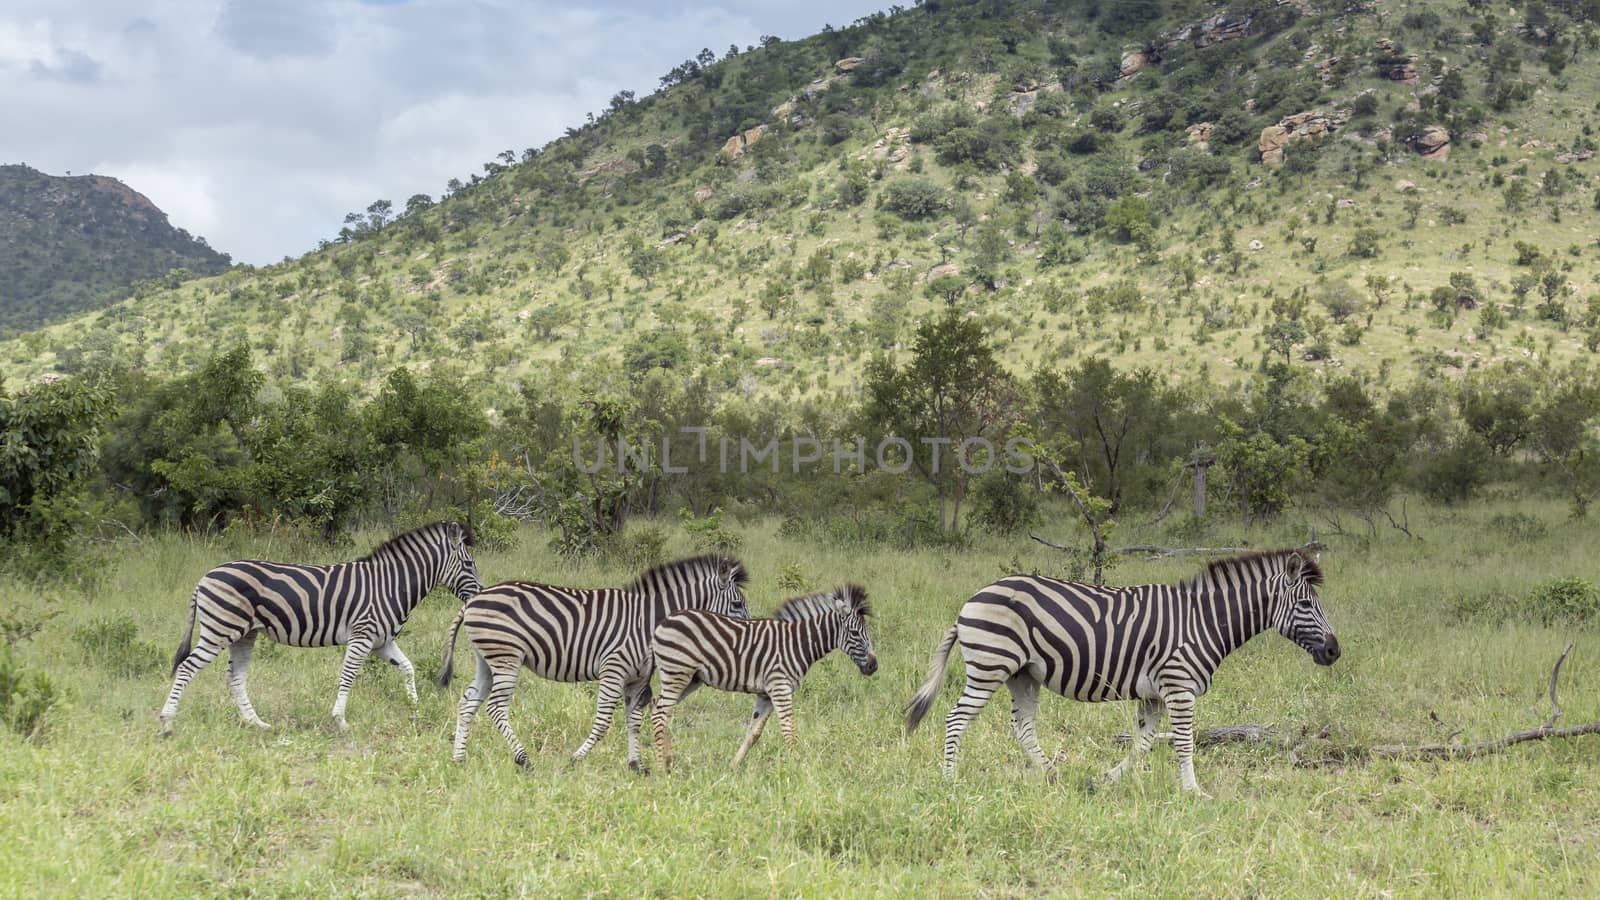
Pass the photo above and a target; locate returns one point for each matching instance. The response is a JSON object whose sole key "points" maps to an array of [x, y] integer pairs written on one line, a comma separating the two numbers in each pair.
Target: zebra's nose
{"points": [[870, 666], [1330, 651]]}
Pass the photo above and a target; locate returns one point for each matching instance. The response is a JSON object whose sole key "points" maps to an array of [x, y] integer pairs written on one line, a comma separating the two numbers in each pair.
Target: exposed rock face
{"points": [[1200, 135], [1133, 61], [703, 195], [735, 146], [1201, 34], [1433, 143], [848, 64], [615, 167], [1298, 127], [1396, 68], [942, 270], [784, 110], [1575, 156]]}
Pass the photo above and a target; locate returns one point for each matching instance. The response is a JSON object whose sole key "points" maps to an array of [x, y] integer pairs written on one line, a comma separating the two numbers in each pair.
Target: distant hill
{"points": [[1391, 191], [74, 243]]}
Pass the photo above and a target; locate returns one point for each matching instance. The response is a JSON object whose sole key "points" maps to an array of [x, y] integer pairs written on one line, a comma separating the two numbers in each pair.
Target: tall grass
{"points": [[99, 805]]}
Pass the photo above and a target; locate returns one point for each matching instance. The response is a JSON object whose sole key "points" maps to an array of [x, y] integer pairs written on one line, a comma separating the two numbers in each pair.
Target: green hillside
{"points": [[771, 218], [75, 243]]}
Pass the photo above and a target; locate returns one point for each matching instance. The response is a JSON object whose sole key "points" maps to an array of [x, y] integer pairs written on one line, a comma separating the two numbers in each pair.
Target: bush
{"points": [[708, 534], [1519, 527], [1563, 601], [913, 198], [114, 643], [1004, 503], [25, 697], [1454, 474], [639, 547]]}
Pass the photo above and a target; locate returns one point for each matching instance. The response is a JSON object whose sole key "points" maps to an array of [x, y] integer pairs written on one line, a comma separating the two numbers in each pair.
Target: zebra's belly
{"points": [[304, 636]]}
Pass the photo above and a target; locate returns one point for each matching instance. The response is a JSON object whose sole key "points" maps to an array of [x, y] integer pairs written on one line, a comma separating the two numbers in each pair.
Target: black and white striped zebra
{"points": [[765, 657], [361, 605], [577, 634], [1158, 644]]}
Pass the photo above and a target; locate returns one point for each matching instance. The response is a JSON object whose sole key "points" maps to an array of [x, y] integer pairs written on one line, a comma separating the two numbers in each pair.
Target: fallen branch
{"points": [[1226, 734]]}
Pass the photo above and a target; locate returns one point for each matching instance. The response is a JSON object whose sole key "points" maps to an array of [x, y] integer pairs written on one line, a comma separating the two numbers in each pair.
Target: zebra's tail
{"points": [[446, 669], [188, 636], [920, 704]]}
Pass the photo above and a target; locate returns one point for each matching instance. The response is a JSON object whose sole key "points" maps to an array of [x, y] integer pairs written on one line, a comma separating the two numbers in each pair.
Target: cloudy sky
{"points": [[260, 123]]}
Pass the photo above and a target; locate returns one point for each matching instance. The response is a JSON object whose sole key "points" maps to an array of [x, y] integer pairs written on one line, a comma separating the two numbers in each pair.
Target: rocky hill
{"points": [[74, 243], [1394, 190]]}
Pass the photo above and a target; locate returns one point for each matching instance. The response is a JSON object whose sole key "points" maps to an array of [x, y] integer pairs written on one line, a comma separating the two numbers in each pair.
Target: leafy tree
{"points": [[1105, 424], [49, 435], [1131, 220], [950, 391], [913, 198]]}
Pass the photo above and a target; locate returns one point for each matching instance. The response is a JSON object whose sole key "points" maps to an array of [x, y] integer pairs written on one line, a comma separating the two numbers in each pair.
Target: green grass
{"points": [[101, 806]]}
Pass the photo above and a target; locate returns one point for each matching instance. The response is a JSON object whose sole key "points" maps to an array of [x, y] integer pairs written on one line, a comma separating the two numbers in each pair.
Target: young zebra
{"points": [[1159, 644], [765, 657], [574, 634], [362, 605]]}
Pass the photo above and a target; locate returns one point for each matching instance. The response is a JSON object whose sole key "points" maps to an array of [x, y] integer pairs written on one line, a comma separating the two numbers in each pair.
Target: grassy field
{"points": [[100, 806]]}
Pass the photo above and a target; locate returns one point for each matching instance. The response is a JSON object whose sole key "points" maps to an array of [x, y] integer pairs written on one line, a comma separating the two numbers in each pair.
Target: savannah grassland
{"points": [[99, 805]]}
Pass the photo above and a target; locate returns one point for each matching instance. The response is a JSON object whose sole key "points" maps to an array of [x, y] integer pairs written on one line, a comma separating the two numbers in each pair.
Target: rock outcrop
{"points": [[1298, 127], [1200, 135], [1433, 143], [736, 145]]}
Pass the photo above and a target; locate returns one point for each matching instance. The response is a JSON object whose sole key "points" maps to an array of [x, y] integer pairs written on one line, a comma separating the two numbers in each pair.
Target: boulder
{"points": [[1273, 139], [702, 195], [1433, 143], [1256, 245], [848, 64], [1575, 156], [1344, 203], [735, 146], [943, 269], [1200, 135], [1404, 187], [1133, 61]]}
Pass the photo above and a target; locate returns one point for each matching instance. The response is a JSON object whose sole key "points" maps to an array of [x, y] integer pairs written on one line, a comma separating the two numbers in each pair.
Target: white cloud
{"points": [[259, 123]]}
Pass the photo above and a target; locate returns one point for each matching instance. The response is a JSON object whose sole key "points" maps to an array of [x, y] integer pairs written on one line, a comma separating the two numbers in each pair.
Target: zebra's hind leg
{"points": [[238, 669], [781, 693], [636, 697], [1180, 706], [355, 653], [1024, 707], [1147, 719], [611, 683], [981, 685], [757, 723], [201, 656], [674, 687], [471, 699], [390, 652], [502, 684]]}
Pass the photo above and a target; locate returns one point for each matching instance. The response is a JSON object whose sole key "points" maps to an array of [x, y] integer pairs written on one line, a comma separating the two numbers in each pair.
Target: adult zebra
{"points": [[575, 634], [765, 657], [361, 604], [1159, 644]]}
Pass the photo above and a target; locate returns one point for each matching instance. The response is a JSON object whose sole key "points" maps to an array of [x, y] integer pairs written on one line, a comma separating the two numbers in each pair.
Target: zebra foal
{"points": [[575, 634], [765, 657], [1157, 644], [361, 604]]}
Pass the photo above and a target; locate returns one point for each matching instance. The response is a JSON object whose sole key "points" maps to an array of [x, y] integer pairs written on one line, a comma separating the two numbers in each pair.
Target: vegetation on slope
{"points": [[76, 243]]}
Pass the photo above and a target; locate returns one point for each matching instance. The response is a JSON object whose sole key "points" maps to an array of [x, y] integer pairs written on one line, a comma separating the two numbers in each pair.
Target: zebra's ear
{"points": [[1294, 566]]}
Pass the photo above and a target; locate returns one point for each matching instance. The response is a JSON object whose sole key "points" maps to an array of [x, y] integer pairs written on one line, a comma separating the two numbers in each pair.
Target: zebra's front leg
{"points": [[611, 683], [238, 668], [1024, 707], [355, 653], [757, 723], [471, 699], [390, 652], [637, 699], [1147, 720], [1180, 705]]}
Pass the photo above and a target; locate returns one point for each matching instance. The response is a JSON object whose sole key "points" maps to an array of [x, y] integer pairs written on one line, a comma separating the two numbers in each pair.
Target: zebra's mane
{"points": [[1252, 565], [812, 605], [429, 530], [709, 563]]}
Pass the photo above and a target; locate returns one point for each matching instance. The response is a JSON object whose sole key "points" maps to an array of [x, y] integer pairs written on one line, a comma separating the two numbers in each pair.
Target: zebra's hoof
{"points": [[638, 768], [341, 724]]}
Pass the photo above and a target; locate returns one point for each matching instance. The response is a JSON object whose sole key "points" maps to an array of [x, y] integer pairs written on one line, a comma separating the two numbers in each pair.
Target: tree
{"points": [[49, 437], [1341, 300], [913, 198], [951, 392], [644, 261], [1103, 423], [1130, 219]]}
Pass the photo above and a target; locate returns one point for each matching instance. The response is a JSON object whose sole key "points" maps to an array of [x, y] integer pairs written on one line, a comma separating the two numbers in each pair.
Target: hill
{"points": [[74, 243], [1397, 192]]}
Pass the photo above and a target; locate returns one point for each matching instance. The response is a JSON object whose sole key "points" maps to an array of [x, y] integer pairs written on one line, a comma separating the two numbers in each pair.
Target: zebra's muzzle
{"points": [[1328, 653], [868, 667]]}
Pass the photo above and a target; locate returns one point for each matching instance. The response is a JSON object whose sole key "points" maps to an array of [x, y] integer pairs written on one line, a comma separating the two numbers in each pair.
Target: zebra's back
{"points": [[563, 634], [303, 606], [727, 653], [1085, 642]]}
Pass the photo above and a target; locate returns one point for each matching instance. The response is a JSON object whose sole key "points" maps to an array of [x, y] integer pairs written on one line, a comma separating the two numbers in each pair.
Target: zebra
{"points": [[765, 657], [1159, 644], [361, 604], [576, 634]]}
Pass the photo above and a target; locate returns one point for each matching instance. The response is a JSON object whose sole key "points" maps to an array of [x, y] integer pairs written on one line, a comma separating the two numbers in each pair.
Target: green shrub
{"points": [[913, 198], [1518, 527], [113, 642], [707, 533], [639, 547], [25, 697], [1562, 601]]}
